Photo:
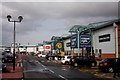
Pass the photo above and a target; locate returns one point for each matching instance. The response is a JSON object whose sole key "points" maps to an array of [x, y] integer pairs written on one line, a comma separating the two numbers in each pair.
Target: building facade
{"points": [[105, 39], [104, 42]]}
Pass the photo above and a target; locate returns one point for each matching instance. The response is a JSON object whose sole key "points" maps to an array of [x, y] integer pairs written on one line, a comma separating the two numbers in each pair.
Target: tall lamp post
{"points": [[20, 18]]}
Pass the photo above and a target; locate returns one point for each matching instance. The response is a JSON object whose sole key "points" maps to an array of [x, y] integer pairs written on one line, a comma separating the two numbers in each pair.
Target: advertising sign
{"points": [[104, 38], [85, 40], [59, 45], [74, 41], [47, 47], [68, 44]]}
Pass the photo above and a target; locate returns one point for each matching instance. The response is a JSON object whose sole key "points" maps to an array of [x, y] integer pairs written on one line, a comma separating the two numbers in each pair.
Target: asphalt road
{"points": [[40, 68]]}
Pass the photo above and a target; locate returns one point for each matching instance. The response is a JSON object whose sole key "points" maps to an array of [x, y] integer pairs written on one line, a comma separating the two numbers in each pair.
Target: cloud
{"points": [[52, 18], [61, 0]]}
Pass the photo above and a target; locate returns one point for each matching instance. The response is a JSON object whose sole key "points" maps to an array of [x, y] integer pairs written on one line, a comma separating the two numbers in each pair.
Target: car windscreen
{"points": [[107, 59]]}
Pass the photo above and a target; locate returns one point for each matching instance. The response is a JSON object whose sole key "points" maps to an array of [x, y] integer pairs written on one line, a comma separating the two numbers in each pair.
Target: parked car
{"points": [[7, 57], [107, 64], [41, 55], [65, 59], [50, 55], [2, 67], [82, 60]]}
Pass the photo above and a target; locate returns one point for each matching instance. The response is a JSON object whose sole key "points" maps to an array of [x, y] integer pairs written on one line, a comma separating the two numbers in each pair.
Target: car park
{"points": [[108, 64], [82, 60], [65, 59]]}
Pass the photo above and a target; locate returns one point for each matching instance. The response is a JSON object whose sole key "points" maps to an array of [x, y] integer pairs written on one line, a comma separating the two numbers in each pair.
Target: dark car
{"points": [[108, 64], [82, 60], [2, 67], [7, 57], [50, 55]]}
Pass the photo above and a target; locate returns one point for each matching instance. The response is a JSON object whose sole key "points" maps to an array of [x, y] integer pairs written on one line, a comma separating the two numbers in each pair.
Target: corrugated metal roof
{"points": [[92, 26]]}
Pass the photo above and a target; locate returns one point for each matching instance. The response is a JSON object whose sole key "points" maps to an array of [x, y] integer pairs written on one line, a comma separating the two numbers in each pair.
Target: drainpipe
{"points": [[116, 39]]}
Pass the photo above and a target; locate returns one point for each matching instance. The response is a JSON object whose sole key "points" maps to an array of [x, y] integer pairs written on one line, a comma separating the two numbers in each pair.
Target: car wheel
{"points": [[110, 69], [92, 64], [66, 62], [75, 64]]}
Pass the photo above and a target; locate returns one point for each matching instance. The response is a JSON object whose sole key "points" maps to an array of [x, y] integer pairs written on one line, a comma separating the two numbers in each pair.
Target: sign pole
{"points": [[91, 42], [78, 43]]}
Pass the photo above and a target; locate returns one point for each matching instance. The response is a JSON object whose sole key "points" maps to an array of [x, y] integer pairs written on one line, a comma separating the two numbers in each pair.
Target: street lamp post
{"points": [[20, 18]]}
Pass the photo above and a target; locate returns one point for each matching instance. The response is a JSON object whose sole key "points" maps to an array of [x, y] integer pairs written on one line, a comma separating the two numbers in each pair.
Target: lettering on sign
{"points": [[104, 38]]}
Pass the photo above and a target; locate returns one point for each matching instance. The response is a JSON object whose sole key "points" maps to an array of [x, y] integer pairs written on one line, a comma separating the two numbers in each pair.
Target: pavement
{"points": [[13, 74]]}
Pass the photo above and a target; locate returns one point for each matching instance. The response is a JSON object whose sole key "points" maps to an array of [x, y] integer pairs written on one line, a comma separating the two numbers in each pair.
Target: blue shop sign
{"points": [[74, 41], [85, 40]]}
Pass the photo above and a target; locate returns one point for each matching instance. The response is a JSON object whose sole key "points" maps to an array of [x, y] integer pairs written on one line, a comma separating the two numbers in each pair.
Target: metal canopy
{"points": [[92, 26], [55, 37], [76, 28]]}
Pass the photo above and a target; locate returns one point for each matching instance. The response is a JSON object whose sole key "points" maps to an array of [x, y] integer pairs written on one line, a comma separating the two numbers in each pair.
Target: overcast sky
{"points": [[42, 20]]}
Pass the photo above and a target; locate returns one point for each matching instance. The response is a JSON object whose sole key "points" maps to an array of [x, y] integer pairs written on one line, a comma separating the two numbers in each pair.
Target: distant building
{"points": [[67, 48], [25, 48]]}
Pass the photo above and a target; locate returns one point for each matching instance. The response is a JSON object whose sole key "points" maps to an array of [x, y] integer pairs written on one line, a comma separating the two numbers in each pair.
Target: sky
{"points": [[44, 19]]}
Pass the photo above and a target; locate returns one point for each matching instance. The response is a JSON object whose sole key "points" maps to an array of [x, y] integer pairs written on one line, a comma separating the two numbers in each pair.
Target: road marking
{"points": [[52, 71], [43, 66], [62, 77], [64, 69]]}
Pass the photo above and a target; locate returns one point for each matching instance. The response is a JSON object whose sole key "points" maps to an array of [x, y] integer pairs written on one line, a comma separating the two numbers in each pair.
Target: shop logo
{"points": [[47, 47], [85, 40], [59, 45]]}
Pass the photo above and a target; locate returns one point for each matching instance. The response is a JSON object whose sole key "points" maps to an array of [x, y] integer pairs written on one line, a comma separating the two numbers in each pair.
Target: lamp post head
{"points": [[9, 17], [20, 18]]}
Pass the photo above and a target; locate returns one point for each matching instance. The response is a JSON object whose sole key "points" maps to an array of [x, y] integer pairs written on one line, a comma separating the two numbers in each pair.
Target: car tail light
{"points": [[105, 63]]}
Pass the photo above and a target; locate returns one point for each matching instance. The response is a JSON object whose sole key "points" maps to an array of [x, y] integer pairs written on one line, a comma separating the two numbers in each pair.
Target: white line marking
{"points": [[43, 65], [52, 71], [62, 77], [64, 69]]}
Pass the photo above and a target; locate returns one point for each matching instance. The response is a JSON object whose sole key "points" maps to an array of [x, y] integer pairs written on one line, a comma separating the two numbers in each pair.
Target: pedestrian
{"points": [[116, 68]]}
